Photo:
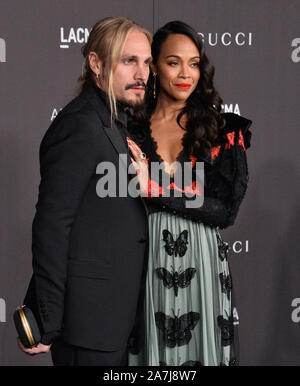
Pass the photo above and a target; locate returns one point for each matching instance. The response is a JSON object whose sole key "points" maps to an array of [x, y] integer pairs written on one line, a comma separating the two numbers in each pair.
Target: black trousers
{"points": [[64, 354]]}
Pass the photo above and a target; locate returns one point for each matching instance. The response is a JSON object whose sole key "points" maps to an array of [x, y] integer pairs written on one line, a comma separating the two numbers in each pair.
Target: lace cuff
{"points": [[213, 212]]}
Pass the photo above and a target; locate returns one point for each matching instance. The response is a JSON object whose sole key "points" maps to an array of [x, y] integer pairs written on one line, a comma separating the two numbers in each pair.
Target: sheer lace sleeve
{"points": [[234, 167], [213, 212]]}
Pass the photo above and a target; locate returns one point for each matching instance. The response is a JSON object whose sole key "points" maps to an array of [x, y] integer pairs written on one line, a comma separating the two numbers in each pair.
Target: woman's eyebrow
{"points": [[178, 57], [172, 56]]}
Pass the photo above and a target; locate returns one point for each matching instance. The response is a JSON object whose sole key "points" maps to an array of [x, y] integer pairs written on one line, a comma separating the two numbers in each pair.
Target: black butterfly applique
{"points": [[227, 331], [223, 247], [226, 283], [174, 247], [176, 279], [177, 330], [232, 362]]}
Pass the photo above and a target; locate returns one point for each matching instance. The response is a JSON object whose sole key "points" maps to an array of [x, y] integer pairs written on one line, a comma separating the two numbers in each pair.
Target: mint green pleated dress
{"points": [[186, 316]]}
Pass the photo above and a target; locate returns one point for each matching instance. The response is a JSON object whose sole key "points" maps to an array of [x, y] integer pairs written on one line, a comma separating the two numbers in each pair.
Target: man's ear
{"points": [[96, 64]]}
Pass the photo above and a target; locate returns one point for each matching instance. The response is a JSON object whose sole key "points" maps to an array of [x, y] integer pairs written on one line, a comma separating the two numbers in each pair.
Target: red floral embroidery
{"points": [[241, 140], [230, 142], [194, 188], [215, 151], [174, 187], [193, 160], [154, 189]]}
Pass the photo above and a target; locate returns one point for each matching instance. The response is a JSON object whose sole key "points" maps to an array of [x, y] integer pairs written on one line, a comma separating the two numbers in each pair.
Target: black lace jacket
{"points": [[225, 174]]}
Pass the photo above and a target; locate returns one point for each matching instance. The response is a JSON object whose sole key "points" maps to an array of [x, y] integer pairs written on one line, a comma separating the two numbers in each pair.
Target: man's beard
{"points": [[136, 108], [126, 103]]}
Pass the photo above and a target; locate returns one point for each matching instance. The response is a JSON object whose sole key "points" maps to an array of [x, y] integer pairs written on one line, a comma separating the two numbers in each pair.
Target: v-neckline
{"points": [[179, 157]]}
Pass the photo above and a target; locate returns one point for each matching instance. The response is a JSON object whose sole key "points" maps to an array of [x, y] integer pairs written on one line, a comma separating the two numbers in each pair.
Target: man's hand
{"points": [[38, 349]]}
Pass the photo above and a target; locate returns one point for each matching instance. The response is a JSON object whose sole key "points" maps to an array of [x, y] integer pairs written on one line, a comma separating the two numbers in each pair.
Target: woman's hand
{"points": [[141, 166]]}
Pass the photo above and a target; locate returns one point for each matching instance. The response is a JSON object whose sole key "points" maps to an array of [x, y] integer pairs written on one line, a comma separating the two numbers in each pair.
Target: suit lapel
{"points": [[117, 141], [111, 130]]}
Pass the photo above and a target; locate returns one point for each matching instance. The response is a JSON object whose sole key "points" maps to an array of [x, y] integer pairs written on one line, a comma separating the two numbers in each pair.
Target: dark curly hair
{"points": [[203, 107]]}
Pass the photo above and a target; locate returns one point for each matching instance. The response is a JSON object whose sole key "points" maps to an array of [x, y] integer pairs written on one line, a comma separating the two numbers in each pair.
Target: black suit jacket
{"points": [[88, 252]]}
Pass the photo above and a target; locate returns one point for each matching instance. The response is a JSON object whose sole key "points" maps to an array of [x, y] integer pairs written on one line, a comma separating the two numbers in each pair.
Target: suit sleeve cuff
{"points": [[50, 337]]}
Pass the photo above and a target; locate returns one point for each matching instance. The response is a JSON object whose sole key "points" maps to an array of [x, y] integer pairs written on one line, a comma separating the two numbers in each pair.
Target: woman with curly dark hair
{"points": [[186, 306]]}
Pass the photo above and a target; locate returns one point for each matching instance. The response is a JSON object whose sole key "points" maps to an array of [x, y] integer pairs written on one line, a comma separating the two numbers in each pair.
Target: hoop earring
{"points": [[154, 86]]}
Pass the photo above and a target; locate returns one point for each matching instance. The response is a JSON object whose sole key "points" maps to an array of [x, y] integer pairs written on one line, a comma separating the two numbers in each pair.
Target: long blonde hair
{"points": [[107, 39]]}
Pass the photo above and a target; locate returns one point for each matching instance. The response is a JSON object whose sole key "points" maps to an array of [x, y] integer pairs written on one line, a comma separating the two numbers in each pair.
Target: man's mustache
{"points": [[133, 85]]}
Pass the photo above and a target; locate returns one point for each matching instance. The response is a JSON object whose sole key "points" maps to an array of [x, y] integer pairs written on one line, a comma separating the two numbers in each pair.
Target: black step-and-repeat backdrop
{"points": [[255, 47]]}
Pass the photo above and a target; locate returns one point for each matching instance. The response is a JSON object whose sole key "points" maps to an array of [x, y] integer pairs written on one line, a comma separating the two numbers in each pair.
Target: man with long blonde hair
{"points": [[87, 256]]}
